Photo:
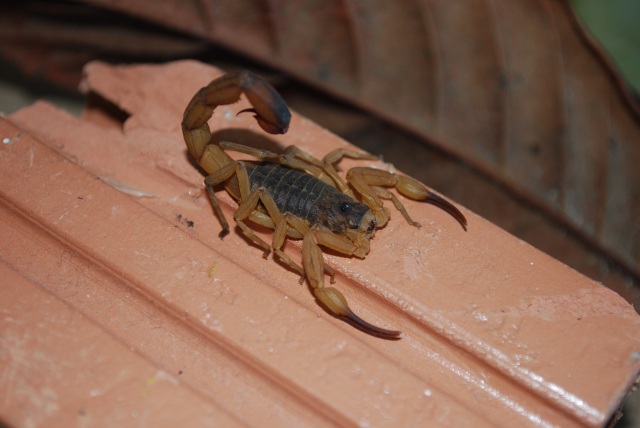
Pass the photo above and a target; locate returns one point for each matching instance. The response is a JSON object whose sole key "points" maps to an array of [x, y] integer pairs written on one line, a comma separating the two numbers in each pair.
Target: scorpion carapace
{"points": [[295, 194]]}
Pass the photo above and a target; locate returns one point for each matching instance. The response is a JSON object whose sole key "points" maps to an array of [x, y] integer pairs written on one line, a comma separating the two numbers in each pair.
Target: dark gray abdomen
{"points": [[305, 196], [293, 191]]}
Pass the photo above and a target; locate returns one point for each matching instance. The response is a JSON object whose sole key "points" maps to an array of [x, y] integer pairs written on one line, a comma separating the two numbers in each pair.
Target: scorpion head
{"points": [[341, 214]]}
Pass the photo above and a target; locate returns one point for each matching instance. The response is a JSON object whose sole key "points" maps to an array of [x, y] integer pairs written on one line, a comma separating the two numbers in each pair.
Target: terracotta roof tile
{"points": [[122, 302]]}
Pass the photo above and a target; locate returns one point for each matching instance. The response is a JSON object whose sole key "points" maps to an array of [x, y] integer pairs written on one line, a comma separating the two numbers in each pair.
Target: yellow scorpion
{"points": [[295, 194]]}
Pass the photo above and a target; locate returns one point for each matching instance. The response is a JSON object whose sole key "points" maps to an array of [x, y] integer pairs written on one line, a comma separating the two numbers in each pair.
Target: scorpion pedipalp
{"points": [[333, 300], [371, 183]]}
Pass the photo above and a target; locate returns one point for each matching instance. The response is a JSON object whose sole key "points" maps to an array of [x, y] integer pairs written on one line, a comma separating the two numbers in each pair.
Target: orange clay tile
{"points": [[119, 302]]}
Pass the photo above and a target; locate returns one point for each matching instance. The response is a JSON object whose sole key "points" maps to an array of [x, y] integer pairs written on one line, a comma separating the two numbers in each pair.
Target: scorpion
{"points": [[296, 194]]}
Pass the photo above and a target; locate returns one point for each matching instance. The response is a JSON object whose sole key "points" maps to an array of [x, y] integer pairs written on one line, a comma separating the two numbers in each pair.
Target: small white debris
{"points": [[125, 188]]}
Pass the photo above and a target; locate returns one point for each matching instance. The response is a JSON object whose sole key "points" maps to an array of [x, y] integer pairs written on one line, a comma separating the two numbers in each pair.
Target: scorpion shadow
{"points": [[241, 136]]}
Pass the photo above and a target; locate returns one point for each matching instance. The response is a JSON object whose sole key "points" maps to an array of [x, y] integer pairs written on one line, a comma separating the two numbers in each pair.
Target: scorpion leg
{"points": [[221, 176], [330, 297], [279, 236], [326, 165], [288, 223], [244, 211], [369, 182], [385, 194], [272, 157], [334, 157], [318, 168], [210, 182], [250, 199], [284, 225]]}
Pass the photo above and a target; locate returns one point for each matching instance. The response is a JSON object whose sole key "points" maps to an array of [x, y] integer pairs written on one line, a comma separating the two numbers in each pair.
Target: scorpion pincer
{"points": [[295, 194]]}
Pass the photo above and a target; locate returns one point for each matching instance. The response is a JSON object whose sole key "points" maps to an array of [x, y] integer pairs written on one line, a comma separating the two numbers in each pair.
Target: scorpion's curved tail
{"points": [[269, 108]]}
